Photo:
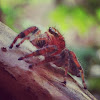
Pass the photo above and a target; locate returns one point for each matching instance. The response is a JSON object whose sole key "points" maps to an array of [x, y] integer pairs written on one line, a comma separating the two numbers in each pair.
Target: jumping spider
{"points": [[51, 45]]}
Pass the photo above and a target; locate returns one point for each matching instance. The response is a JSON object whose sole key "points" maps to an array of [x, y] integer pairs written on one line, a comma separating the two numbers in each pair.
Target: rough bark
{"points": [[18, 82]]}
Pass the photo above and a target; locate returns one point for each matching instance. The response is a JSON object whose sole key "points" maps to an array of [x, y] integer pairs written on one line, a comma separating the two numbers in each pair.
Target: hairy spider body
{"points": [[51, 45]]}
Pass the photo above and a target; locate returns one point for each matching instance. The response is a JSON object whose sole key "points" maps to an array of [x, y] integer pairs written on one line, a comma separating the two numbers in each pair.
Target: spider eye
{"points": [[52, 31]]}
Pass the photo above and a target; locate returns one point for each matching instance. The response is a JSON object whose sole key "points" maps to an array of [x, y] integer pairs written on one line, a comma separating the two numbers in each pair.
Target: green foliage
{"points": [[68, 18], [98, 14], [11, 3], [10, 11], [9, 16], [35, 2], [94, 84], [13, 9], [58, 16]]}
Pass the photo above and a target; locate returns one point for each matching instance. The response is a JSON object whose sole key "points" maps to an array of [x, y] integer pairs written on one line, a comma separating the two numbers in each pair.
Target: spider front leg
{"points": [[25, 33], [43, 51], [26, 38]]}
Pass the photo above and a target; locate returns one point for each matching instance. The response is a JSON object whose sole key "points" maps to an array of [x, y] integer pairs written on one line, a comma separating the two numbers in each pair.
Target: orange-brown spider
{"points": [[51, 45]]}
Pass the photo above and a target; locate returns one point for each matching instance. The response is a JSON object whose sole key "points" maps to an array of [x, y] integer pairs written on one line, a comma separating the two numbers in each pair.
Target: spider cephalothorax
{"points": [[51, 45]]}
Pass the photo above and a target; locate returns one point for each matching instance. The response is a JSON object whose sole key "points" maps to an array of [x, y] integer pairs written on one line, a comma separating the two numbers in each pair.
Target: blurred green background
{"points": [[77, 20]]}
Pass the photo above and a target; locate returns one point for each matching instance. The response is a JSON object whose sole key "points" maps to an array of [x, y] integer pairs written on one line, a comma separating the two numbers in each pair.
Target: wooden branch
{"points": [[18, 82]]}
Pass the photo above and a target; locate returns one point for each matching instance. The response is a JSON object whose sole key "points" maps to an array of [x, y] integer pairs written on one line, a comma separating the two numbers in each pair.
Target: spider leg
{"points": [[73, 57], [26, 38], [66, 66], [43, 51], [82, 75], [46, 60], [24, 33], [66, 71]]}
